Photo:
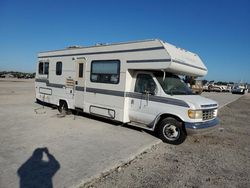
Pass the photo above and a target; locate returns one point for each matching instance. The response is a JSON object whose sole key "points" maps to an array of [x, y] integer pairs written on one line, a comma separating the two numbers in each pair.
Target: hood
{"points": [[197, 101]]}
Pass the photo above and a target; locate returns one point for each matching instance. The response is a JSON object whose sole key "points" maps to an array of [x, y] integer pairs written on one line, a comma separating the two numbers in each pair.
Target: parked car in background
{"points": [[215, 88], [240, 88], [211, 86], [205, 87]]}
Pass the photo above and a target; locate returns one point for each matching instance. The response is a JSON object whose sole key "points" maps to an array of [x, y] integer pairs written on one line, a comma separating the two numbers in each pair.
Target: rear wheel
{"points": [[63, 107], [171, 131]]}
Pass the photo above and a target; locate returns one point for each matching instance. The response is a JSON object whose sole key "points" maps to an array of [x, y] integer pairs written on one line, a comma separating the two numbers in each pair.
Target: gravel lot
{"points": [[82, 148], [219, 159]]}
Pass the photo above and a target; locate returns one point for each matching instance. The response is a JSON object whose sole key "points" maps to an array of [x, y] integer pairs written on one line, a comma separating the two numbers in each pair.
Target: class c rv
{"points": [[137, 83]]}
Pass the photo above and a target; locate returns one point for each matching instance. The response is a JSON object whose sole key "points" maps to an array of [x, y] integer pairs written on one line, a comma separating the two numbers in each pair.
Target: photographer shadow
{"points": [[36, 172]]}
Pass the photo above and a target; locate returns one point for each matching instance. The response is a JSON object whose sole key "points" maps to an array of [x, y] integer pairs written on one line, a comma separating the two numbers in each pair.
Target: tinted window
{"points": [[58, 68], [46, 68], [40, 69], [43, 68], [107, 71], [145, 83], [80, 70]]}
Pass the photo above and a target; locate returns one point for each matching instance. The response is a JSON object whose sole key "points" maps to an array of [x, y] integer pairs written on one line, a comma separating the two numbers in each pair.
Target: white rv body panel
{"points": [[72, 78]]}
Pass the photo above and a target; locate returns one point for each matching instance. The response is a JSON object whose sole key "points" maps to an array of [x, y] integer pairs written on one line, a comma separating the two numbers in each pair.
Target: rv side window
{"points": [[58, 68], [145, 83], [80, 70], [43, 68], [105, 71], [46, 68], [40, 69]]}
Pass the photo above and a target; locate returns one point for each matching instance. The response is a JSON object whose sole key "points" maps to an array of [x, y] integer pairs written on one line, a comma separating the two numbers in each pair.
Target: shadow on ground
{"points": [[37, 172], [99, 118]]}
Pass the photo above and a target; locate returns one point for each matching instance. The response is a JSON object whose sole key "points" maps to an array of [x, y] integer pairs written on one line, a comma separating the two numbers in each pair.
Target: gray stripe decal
{"points": [[79, 88], [148, 60], [183, 63], [49, 84], [54, 85], [41, 80], [105, 91], [168, 101], [106, 52], [152, 98]]}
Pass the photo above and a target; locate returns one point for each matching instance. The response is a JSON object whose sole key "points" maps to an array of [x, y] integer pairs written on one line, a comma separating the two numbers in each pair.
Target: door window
{"points": [[58, 68], [145, 84], [80, 70]]}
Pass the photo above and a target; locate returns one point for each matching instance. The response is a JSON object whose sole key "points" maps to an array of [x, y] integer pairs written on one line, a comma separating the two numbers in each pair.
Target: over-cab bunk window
{"points": [[43, 68], [105, 71]]}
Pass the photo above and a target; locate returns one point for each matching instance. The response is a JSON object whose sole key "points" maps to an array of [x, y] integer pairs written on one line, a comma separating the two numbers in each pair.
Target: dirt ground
{"points": [[218, 159]]}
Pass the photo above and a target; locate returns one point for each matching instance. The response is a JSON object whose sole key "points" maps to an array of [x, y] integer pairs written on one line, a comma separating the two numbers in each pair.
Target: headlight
{"points": [[195, 114]]}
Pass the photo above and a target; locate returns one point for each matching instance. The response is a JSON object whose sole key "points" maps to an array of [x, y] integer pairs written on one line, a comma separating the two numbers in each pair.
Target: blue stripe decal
{"points": [[105, 52]]}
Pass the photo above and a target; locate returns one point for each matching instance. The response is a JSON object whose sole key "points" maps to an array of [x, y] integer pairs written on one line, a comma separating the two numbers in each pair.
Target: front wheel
{"points": [[171, 131]]}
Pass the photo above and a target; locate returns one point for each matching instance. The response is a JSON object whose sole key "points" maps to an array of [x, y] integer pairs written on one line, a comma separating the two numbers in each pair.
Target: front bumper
{"points": [[237, 91], [201, 127]]}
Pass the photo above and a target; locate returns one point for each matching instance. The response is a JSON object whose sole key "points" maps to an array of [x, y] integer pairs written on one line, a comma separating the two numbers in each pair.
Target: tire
{"points": [[63, 107], [171, 131]]}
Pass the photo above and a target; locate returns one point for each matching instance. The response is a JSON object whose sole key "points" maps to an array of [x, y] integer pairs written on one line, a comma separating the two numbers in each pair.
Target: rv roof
{"points": [[146, 54], [101, 45]]}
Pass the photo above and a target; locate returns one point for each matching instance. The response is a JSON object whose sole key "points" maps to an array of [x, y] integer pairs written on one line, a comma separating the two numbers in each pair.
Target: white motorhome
{"points": [[137, 83]]}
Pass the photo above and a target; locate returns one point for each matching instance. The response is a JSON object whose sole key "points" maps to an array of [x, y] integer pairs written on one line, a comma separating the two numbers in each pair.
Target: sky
{"points": [[217, 30]]}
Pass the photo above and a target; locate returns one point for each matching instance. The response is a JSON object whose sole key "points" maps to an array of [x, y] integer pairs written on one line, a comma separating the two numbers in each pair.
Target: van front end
{"points": [[201, 116], [204, 120], [184, 112], [198, 117]]}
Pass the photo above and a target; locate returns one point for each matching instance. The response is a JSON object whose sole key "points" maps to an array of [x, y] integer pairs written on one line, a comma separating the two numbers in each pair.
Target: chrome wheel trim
{"points": [[171, 132]]}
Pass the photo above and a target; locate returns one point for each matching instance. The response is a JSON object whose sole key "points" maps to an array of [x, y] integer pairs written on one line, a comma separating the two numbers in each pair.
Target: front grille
{"points": [[209, 114]]}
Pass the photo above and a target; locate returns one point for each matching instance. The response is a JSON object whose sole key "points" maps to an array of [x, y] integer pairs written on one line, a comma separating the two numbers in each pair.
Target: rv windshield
{"points": [[172, 84]]}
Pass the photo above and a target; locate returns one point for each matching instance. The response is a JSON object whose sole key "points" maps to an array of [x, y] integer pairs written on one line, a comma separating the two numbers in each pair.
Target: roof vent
{"points": [[75, 46], [101, 44]]}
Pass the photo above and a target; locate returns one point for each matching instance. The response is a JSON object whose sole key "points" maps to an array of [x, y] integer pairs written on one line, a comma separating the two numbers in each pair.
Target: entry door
{"points": [[80, 83], [142, 110]]}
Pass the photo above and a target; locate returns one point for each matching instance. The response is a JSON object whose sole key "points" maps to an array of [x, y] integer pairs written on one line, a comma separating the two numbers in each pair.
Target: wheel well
{"points": [[62, 101], [163, 116]]}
